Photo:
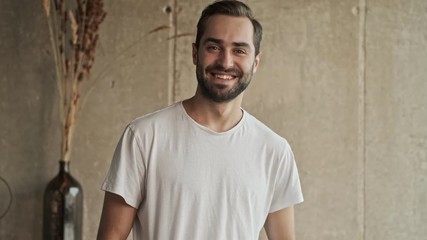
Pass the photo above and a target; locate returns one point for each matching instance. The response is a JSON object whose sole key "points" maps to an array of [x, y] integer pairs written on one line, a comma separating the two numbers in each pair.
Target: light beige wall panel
{"points": [[396, 117], [130, 79]]}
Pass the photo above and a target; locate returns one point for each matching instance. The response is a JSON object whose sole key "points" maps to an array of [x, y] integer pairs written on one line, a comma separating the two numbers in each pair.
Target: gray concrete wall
{"points": [[345, 81]]}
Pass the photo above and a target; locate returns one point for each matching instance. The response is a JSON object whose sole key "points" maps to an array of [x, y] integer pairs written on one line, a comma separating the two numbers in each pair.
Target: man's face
{"points": [[225, 60]]}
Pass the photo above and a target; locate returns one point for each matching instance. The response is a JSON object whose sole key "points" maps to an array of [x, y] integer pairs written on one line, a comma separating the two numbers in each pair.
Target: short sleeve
{"points": [[126, 176], [287, 191]]}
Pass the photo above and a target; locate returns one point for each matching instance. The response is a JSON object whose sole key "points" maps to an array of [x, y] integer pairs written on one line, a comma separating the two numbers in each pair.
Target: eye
{"points": [[240, 51], [212, 48]]}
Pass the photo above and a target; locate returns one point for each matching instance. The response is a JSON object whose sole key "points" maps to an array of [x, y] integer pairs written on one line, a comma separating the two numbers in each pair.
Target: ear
{"points": [[256, 62], [194, 54]]}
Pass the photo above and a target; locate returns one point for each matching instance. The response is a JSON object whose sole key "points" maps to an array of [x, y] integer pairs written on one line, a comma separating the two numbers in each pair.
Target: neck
{"points": [[218, 117]]}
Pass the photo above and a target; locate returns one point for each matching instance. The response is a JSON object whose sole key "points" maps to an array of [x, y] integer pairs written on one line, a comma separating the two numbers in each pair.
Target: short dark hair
{"points": [[231, 8]]}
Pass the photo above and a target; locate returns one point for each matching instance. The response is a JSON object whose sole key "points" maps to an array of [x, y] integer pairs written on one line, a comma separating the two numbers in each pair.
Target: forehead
{"points": [[229, 29]]}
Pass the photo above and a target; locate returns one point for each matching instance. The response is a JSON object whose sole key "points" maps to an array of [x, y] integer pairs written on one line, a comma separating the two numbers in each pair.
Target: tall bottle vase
{"points": [[63, 206]]}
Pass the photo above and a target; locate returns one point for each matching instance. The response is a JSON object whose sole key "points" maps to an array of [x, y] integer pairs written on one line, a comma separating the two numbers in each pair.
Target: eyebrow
{"points": [[219, 41]]}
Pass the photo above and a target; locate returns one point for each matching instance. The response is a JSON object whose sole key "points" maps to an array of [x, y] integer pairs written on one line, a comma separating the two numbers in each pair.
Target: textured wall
{"points": [[345, 81], [396, 120]]}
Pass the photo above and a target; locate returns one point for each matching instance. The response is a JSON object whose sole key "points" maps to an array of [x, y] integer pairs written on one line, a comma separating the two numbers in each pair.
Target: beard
{"points": [[218, 93]]}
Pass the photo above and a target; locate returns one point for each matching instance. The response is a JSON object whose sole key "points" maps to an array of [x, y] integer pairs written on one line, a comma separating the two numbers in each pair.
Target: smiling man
{"points": [[204, 168]]}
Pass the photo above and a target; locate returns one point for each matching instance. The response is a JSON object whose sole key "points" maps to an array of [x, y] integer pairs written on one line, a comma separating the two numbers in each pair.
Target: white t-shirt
{"points": [[189, 182]]}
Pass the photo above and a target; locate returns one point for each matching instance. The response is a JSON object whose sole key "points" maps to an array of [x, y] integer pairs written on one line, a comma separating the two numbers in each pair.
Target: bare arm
{"points": [[280, 225], [116, 219]]}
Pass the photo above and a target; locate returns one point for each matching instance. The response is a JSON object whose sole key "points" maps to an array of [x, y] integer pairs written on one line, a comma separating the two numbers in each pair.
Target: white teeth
{"points": [[225, 77]]}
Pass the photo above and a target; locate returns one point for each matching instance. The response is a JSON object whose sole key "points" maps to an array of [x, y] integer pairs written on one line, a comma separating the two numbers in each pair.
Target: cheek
{"points": [[206, 60], [247, 66]]}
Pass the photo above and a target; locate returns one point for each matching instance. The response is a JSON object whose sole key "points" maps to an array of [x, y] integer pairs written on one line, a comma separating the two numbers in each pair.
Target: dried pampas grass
{"points": [[73, 29]]}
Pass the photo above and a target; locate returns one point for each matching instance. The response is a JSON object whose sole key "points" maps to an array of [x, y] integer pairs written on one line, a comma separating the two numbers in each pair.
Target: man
{"points": [[204, 168]]}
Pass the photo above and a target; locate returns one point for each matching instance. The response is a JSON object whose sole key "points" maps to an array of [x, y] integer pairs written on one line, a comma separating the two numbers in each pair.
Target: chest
{"points": [[211, 168]]}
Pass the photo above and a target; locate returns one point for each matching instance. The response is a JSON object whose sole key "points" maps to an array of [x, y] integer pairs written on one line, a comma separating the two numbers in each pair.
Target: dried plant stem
{"points": [[58, 70], [46, 5], [70, 121]]}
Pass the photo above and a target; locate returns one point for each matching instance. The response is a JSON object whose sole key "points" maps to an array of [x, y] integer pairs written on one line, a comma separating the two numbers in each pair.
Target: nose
{"points": [[225, 60]]}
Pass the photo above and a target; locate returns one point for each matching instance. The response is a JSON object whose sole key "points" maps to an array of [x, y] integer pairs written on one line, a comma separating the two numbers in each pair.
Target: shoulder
{"points": [[261, 129], [266, 135], [157, 118]]}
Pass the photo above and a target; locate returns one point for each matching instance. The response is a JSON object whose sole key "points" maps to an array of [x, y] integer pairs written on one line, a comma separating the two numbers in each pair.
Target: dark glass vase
{"points": [[63, 207]]}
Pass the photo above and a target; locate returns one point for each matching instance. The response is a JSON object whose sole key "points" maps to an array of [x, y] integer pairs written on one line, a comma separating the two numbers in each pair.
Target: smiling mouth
{"points": [[223, 76]]}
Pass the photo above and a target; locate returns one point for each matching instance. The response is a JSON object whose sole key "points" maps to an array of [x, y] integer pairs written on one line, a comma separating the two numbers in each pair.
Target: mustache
{"points": [[220, 68]]}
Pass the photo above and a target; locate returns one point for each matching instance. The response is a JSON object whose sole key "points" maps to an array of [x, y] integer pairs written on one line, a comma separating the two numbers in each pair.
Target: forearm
{"points": [[280, 225], [116, 219]]}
